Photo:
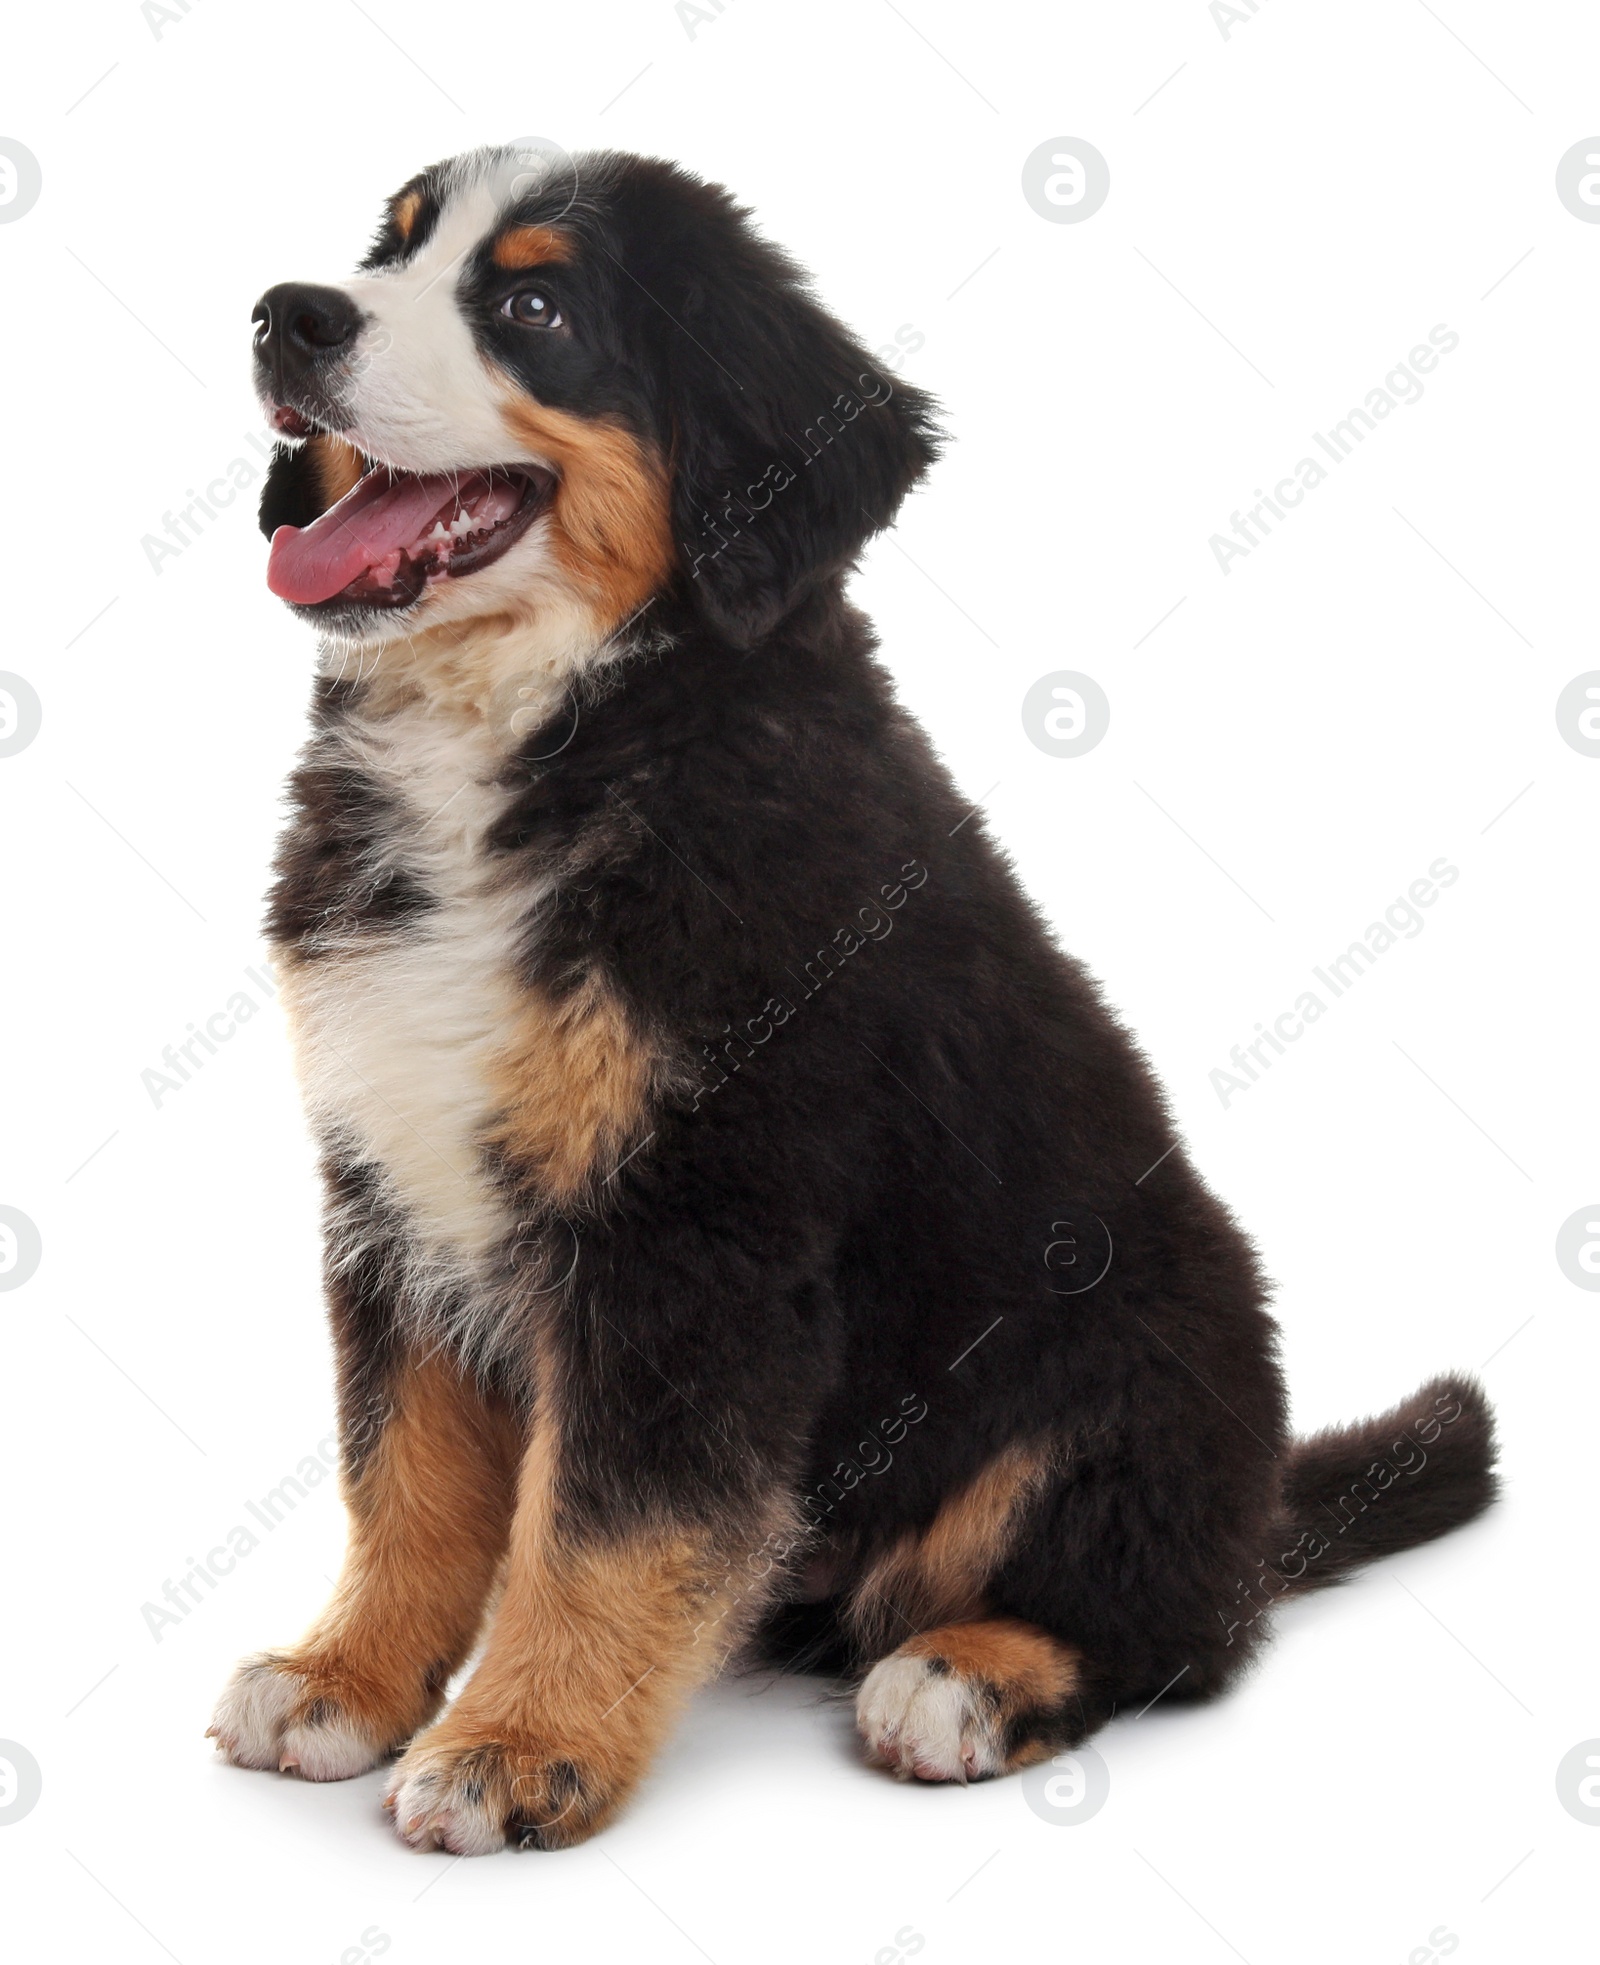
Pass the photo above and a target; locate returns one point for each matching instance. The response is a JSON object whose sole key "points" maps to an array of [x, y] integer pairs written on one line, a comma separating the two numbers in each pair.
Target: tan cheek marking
{"points": [[610, 530], [532, 245], [940, 1574], [338, 466], [570, 1087]]}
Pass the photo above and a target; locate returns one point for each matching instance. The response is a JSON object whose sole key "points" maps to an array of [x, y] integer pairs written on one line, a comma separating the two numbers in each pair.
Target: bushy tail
{"points": [[1355, 1493]]}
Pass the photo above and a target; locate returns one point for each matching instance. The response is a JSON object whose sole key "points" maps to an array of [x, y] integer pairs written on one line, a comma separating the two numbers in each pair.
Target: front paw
{"points": [[472, 1789], [284, 1711]]}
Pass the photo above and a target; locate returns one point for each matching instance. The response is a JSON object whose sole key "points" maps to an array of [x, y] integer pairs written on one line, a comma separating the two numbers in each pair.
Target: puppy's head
{"points": [[580, 384]]}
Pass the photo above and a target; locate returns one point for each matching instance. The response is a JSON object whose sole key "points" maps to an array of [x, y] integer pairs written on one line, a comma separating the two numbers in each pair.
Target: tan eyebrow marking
{"points": [[405, 212], [532, 245]]}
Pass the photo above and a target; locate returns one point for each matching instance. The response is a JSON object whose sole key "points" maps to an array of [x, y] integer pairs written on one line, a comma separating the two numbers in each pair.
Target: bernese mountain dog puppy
{"points": [[748, 1233]]}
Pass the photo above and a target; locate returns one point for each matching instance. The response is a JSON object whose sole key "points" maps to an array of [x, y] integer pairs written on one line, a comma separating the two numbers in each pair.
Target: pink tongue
{"points": [[312, 563]]}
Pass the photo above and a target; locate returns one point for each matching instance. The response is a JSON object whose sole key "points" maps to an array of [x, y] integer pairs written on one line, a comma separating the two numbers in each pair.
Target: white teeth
{"points": [[461, 523], [438, 531]]}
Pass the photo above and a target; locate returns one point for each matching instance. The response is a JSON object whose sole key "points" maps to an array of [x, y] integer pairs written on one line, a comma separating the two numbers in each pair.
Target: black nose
{"points": [[297, 325]]}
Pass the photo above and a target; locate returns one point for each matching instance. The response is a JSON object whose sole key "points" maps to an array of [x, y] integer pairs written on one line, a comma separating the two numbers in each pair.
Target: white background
{"points": [[1369, 690]]}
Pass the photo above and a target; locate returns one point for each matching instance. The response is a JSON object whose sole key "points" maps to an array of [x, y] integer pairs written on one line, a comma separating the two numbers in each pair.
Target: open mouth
{"points": [[397, 532]]}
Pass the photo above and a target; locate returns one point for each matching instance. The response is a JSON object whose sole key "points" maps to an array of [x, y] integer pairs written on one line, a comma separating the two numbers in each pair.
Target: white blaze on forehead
{"points": [[422, 396]]}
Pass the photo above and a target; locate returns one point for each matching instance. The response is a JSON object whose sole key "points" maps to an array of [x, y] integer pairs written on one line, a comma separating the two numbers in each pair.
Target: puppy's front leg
{"points": [[602, 1631], [430, 1504]]}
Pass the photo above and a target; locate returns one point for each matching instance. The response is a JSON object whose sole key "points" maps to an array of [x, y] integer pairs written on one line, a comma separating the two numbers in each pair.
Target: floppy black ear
{"points": [[791, 447]]}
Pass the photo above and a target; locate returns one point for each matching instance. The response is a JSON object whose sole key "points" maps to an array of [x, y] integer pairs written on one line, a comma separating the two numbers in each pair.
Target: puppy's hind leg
{"points": [[972, 1690], [967, 1701]]}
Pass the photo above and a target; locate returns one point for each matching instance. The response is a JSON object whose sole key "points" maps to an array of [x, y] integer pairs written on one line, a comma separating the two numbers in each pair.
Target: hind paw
{"points": [[966, 1701]]}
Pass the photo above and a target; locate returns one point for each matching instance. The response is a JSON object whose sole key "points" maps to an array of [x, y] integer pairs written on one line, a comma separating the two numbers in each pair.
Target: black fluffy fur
{"points": [[889, 1084]]}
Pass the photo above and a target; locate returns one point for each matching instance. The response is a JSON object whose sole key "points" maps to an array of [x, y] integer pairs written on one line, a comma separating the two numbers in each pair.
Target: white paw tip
{"points": [[926, 1724], [434, 1812], [257, 1724]]}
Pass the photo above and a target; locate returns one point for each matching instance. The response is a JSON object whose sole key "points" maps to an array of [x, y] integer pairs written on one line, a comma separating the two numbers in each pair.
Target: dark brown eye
{"points": [[531, 310]]}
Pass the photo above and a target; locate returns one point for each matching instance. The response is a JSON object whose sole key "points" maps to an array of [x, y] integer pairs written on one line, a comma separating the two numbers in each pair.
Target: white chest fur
{"points": [[397, 1032]]}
